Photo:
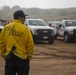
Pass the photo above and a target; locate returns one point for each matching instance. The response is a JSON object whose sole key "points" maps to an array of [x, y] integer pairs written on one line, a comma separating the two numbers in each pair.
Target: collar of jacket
{"points": [[17, 21]]}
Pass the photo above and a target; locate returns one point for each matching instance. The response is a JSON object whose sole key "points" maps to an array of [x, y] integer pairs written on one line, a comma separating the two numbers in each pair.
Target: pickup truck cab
{"points": [[40, 30]]}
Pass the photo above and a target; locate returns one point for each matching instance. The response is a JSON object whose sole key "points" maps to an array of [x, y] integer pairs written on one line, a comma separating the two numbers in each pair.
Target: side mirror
{"points": [[49, 24], [60, 25]]}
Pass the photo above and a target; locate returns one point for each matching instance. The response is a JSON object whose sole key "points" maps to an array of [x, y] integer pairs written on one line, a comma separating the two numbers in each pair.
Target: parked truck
{"points": [[64, 28], [67, 29], [40, 30]]}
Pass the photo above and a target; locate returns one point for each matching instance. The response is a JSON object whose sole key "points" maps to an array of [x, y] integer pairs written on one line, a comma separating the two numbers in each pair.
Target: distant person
{"points": [[16, 45]]}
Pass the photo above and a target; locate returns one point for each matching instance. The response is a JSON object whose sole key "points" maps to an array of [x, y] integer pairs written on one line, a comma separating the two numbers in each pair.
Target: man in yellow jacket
{"points": [[16, 45]]}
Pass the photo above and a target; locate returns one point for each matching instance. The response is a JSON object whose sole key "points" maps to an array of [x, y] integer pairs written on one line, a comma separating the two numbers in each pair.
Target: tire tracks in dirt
{"points": [[58, 54]]}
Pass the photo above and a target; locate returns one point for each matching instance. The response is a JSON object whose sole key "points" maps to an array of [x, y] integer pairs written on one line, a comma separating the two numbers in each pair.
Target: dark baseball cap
{"points": [[19, 13]]}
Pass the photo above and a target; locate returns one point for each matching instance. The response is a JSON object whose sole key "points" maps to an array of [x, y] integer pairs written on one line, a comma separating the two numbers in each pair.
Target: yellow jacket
{"points": [[19, 35]]}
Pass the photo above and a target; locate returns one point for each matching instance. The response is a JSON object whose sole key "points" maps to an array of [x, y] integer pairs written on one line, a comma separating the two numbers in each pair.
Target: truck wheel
{"points": [[51, 41], [56, 37], [66, 38]]}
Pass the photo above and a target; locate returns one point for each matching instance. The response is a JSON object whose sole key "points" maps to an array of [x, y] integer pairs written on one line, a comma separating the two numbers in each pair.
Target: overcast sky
{"points": [[44, 4]]}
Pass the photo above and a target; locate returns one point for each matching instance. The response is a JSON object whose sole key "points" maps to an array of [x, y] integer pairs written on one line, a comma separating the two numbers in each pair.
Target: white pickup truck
{"points": [[67, 29], [40, 30]]}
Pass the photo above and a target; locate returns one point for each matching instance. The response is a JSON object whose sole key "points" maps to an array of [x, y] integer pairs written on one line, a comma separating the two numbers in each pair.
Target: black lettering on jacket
{"points": [[13, 32]]}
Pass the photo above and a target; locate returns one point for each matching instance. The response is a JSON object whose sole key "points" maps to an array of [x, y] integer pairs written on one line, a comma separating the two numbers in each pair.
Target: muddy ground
{"points": [[51, 59]]}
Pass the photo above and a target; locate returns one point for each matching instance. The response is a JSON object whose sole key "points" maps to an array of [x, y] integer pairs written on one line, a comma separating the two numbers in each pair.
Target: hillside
{"points": [[46, 14]]}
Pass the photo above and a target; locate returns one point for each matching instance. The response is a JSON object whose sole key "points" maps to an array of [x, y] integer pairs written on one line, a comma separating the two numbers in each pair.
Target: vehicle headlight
{"points": [[71, 32]]}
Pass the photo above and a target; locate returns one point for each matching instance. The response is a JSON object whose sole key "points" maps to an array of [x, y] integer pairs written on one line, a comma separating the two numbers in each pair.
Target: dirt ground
{"points": [[51, 59]]}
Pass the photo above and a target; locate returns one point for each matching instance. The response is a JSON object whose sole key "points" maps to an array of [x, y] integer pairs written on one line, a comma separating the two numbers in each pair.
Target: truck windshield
{"points": [[70, 23], [37, 23]]}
